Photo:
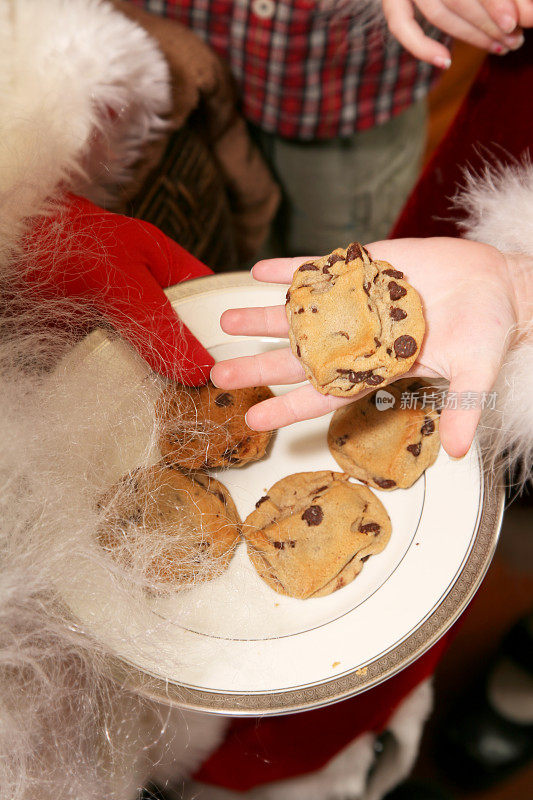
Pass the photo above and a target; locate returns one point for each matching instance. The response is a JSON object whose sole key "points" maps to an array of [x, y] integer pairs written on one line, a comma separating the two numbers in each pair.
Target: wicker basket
{"points": [[186, 198]]}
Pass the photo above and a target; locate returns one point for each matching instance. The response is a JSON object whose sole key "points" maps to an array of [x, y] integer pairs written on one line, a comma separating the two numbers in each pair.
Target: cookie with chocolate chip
{"points": [[205, 428], [170, 527], [354, 322], [313, 531], [388, 438]]}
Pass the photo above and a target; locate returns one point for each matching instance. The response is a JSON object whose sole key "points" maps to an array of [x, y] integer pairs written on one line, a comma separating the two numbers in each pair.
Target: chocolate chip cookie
{"points": [[205, 428], [388, 438], [312, 532], [354, 322], [170, 527]]}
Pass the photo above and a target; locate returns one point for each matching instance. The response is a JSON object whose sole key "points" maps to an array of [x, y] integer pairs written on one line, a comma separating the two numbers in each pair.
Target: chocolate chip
{"points": [[340, 441], [300, 311], [365, 376], [353, 251], [405, 346], [384, 483], [262, 500], [222, 400], [355, 377], [334, 257], [394, 273], [135, 516], [366, 288], [287, 297], [313, 515], [281, 545], [378, 343], [342, 333], [428, 427], [298, 351], [314, 309], [365, 558], [389, 351], [321, 489], [396, 291], [308, 268], [230, 455], [414, 449], [397, 314], [370, 527]]}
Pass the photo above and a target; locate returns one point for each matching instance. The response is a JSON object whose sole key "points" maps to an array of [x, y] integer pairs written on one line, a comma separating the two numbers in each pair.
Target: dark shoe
{"points": [[415, 790], [479, 744]]}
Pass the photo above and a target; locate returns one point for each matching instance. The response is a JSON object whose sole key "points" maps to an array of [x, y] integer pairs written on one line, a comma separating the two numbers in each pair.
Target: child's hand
{"points": [[492, 25], [469, 307]]}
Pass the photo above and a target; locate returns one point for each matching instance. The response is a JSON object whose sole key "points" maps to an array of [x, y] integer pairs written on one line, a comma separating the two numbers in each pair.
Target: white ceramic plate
{"points": [[234, 646]]}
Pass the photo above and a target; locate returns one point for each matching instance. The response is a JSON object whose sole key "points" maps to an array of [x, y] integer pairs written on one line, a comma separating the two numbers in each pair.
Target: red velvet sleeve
{"points": [[120, 266]]}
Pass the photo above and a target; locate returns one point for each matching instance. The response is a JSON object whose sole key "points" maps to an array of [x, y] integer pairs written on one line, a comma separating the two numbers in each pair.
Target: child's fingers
{"points": [[503, 12], [278, 270], [465, 24], [264, 369], [267, 321], [299, 404], [403, 25]]}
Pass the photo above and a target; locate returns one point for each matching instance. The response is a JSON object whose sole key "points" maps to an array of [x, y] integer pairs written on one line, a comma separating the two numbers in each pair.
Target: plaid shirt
{"points": [[306, 71]]}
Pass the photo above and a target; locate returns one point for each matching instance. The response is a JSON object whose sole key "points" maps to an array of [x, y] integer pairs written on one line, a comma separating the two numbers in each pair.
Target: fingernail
{"points": [[443, 63], [507, 23], [212, 381], [514, 42], [498, 49]]}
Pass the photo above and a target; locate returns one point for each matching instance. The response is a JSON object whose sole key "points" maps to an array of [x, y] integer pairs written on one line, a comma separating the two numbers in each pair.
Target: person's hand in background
{"points": [[468, 291], [116, 268], [492, 25]]}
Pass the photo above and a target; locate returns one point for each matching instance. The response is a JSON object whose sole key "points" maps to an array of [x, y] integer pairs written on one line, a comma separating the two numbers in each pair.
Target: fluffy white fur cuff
{"points": [[83, 89], [499, 204]]}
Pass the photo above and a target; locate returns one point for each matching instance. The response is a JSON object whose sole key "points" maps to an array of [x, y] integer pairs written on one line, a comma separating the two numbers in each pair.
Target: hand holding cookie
{"points": [[469, 308]]}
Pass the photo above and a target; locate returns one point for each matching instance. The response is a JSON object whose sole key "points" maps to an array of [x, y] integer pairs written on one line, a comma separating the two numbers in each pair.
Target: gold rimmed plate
{"points": [[234, 646]]}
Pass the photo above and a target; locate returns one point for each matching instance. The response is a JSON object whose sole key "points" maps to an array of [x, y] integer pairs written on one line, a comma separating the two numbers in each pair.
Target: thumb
{"points": [[468, 394]]}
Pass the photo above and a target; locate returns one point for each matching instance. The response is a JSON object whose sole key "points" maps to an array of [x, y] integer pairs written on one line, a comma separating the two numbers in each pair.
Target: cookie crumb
{"points": [[335, 664]]}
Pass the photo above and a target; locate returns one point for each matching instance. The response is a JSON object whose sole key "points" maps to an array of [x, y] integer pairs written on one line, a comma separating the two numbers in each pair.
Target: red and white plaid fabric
{"points": [[307, 69]]}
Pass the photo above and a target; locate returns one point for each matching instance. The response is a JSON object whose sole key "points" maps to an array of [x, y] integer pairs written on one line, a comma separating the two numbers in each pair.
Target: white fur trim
{"points": [[83, 89], [506, 431], [499, 204], [406, 726], [186, 740], [346, 775]]}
